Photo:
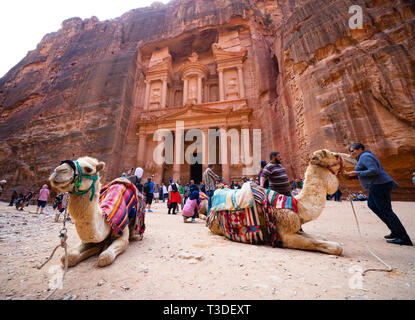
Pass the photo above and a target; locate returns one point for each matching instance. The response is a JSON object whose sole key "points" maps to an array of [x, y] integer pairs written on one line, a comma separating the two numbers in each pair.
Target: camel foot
{"points": [[73, 259], [135, 237], [336, 248], [106, 258]]}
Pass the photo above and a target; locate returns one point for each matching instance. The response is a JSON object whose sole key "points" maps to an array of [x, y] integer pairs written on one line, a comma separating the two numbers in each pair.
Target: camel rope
{"points": [[63, 237], [389, 268]]}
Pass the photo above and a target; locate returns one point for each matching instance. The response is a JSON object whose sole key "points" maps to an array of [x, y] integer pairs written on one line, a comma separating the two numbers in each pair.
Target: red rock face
{"points": [[312, 82], [337, 86]]}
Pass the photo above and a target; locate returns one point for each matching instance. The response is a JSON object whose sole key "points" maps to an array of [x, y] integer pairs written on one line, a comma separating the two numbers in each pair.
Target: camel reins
{"points": [[78, 175], [389, 268], [329, 167]]}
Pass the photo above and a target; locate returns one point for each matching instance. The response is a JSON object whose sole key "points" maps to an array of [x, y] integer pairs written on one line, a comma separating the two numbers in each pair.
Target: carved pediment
{"points": [[221, 55], [190, 112]]}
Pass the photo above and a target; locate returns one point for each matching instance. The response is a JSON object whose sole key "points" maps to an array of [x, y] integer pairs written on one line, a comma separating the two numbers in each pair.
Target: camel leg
{"points": [[298, 241], [117, 247], [82, 252], [215, 228]]}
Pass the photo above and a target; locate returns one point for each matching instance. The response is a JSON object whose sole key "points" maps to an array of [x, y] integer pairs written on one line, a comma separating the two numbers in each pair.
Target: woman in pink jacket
{"points": [[189, 208]]}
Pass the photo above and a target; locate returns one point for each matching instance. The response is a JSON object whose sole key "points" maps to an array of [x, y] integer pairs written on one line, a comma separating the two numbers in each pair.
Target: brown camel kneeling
{"points": [[320, 180]]}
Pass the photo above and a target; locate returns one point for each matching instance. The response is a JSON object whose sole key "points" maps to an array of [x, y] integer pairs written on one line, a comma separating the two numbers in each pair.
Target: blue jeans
{"points": [[210, 195], [379, 202]]}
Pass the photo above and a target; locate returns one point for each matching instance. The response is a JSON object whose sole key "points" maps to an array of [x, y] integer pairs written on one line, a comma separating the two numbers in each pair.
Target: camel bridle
{"points": [[329, 167], [78, 175]]}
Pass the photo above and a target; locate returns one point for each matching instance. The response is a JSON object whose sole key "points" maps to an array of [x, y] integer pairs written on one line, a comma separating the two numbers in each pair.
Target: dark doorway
{"points": [[196, 170]]}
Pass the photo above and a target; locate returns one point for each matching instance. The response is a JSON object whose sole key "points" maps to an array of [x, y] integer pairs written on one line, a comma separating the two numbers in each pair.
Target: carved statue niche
{"points": [[155, 96], [232, 91], [192, 97]]}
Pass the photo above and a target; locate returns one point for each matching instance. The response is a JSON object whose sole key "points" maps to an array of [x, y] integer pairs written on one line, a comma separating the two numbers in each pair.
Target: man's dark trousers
{"points": [[380, 203], [210, 195]]}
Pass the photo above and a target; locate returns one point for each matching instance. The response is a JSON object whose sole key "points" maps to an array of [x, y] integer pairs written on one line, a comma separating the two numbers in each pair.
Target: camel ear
{"points": [[324, 153], [100, 166]]}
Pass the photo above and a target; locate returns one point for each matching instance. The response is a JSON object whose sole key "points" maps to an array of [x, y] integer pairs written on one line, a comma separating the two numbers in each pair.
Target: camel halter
{"points": [[340, 162], [77, 179]]}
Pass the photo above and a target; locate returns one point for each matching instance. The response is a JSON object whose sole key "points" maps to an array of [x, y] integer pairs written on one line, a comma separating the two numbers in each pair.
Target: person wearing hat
{"points": [[43, 198]]}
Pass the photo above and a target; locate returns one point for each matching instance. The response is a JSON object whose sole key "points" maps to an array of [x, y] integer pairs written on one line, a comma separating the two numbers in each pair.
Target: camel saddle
{"points": [[121, 202]]}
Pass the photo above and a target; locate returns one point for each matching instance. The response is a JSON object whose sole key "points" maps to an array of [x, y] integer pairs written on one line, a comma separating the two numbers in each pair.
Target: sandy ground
{"points": [[186, 261]]}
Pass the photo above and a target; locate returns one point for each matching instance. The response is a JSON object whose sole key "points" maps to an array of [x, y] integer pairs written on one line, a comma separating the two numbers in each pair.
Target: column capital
{"points": [[141, 132]]}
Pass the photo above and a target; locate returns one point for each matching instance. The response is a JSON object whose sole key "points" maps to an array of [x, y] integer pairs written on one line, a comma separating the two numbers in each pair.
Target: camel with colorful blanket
{"points": [[105, 219], [256, 215]]}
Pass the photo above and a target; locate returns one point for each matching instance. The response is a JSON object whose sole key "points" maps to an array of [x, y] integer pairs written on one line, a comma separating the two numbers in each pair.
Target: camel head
{"points": [[333, 161], [68, 178], [348, 160]]}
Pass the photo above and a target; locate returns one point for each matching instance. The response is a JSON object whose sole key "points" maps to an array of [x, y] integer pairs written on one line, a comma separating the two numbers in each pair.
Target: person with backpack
{"points": [[174, 196], [136, 179], [148, 189]]}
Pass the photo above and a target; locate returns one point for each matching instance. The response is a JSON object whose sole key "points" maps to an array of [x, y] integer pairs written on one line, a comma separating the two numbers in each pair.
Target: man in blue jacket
{"points": [[372, 176]]}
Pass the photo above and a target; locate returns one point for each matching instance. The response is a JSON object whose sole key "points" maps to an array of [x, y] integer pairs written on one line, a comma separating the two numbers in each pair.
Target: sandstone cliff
{"points": [[338, 85], [314, 83]]}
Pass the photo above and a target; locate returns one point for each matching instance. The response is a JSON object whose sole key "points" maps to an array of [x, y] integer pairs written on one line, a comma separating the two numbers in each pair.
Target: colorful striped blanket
{"points": [[227, 199], [253, 224], [240, 225], [274, 199], [118, 199]]}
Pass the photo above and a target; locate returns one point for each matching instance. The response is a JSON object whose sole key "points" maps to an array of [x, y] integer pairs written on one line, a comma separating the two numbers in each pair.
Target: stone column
{"points": [[176, 166], [164, 94], [141, 149], [158, 176], [205, 149], [147, 95], [185, 89], [221, 86], [245, 149], [178, 154], [206, 92], [225, 159], [199, 90], [241, 83]]}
